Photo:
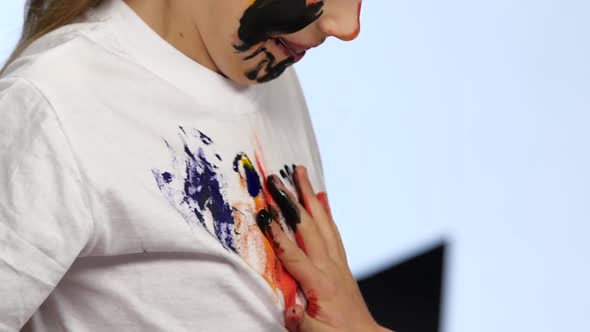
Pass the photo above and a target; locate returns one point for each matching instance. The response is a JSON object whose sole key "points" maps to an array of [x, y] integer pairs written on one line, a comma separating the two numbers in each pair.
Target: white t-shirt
{"points": [[130, 181]]}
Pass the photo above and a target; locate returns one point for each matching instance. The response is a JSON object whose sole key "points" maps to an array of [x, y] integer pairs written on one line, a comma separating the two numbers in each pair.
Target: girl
{"points": [[138, 142]]}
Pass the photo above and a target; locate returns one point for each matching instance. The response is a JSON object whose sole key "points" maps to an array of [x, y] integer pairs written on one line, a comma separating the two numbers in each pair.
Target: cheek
{"points": [[267, 18]]}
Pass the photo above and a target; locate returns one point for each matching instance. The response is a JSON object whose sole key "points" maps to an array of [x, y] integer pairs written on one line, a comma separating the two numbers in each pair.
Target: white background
{"points": [[466, 121]]}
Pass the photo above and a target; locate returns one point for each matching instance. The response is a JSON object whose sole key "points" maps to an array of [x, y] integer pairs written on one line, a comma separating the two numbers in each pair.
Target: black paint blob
{"points": [[263, 219], [287, 206], [267, 18], [288, 173]]}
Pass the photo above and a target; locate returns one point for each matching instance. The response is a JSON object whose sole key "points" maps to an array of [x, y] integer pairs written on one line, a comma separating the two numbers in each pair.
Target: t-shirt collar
{"points": [[147, 48]]}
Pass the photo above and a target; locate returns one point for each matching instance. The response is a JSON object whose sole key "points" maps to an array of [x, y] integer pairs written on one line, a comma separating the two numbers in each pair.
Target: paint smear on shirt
{"points": [[197, 188]]}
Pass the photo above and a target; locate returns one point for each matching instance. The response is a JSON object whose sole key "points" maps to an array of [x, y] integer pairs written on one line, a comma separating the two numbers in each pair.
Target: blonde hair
{"points": [[44, 16]]}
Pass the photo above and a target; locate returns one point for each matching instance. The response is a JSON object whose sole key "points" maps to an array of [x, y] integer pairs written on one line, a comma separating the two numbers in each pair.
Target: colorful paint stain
{"points": [[196, 186]]}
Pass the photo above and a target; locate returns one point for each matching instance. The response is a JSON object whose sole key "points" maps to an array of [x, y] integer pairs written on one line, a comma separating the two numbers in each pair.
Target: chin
{"points": [[242, 78]]}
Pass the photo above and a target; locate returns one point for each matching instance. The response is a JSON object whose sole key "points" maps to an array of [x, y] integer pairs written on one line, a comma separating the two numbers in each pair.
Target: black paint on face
{"points": [[273, 69], [267, 18]]}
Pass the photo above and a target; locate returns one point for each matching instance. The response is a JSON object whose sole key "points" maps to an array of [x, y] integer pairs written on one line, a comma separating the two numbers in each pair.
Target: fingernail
{"points": [[283, 173], [292, 322]]}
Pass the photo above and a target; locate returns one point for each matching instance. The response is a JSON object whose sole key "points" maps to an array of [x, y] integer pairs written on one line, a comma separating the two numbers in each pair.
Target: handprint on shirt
{"points": [[197, 187]]}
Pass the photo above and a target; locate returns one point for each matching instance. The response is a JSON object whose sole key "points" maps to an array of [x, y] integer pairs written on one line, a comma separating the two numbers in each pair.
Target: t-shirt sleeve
{"points": [[45, 221]]}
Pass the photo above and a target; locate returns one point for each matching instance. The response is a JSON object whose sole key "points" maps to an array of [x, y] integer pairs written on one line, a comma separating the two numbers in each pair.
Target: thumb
{"points": [[297, 320]]}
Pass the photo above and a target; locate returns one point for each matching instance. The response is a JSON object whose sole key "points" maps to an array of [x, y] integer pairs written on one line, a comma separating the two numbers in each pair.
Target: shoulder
{"points": [[65, 54], [19, 99], [25, 116]]}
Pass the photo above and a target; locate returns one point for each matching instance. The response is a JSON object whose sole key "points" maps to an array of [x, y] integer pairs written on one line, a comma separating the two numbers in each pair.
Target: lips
{"points": [[290, 50], [298, 48]]}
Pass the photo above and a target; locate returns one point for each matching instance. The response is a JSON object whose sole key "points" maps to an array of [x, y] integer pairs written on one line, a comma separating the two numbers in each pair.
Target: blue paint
{"points": [[189, 152], [202, 186], [199, 189], [167, 177], [205, 139], [250, 174]]}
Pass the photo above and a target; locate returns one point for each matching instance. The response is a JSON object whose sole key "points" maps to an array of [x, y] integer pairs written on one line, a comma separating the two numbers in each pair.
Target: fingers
{"points": [[294, 260], [293, 318], [306, 232], [307, 195], [316, 209], [297, 320], [313, 206]]}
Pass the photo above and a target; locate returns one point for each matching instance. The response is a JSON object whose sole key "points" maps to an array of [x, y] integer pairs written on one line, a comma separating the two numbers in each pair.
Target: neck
{"points": [[172, 20]]}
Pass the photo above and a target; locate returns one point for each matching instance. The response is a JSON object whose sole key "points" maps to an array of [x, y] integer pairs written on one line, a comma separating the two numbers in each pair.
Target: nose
{"points": [[341, 19]]}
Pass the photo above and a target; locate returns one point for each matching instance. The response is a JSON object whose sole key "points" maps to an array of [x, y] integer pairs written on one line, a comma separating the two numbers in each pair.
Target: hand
{"points": [[317, 261]]}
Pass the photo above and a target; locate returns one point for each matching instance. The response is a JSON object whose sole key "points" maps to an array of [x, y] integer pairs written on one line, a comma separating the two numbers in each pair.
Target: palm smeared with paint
{"points": [[317, 261]]}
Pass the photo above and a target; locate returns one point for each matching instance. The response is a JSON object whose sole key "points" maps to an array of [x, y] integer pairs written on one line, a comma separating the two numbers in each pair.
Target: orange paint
{"points": [[275, 273]]}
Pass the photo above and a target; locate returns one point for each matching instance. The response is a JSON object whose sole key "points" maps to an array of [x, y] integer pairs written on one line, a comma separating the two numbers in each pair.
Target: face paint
{"points": [[266, 19], [273, 69]]}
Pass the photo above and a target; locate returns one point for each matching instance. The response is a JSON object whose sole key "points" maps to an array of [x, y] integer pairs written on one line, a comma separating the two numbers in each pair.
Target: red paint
{"points": [[356, 32], [303, 198], [323, 197], [279, 250], [306, 205], [292, 322], [280, 277], [312, 303], [263, 176], [300, 241]]}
